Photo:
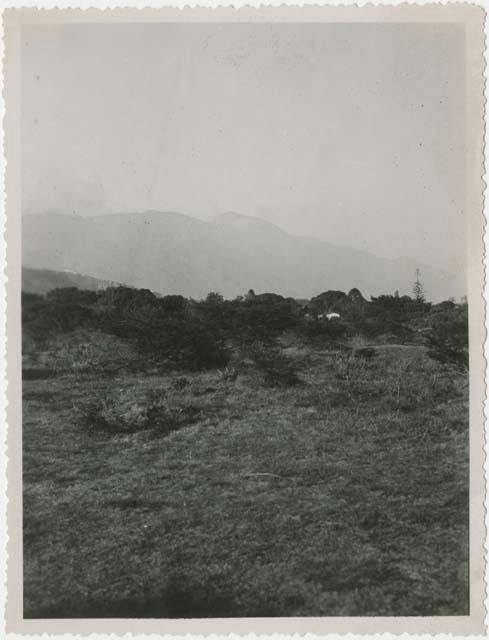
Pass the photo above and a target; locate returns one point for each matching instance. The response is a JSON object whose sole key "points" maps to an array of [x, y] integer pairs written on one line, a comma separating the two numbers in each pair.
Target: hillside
{"points": [[174, 253], [43, 280]]}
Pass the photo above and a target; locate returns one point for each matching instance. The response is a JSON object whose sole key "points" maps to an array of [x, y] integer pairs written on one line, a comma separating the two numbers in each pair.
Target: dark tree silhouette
{"points": [[418, 288]]}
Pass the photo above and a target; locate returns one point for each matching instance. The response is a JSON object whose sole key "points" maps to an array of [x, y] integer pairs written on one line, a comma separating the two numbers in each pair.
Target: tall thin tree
{"points": [[418, 288]]}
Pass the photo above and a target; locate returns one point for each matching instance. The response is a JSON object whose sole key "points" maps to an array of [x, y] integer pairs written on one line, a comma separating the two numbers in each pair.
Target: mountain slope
{"points": [[43, 280], [173, 253]]}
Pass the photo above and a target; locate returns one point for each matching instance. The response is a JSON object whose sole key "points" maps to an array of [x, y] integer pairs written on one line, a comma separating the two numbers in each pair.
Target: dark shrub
{"points": [[199, 346], [385, 330], [126, 298], [126, 412], [72, 295], [42, 318], [277, 369], [396, 309], [214, 298], [448, 340], [173, 304], [351, 306], [169, 332], [30, 299], [261, 319], [186, 342], [323, 329], [328, 301]]}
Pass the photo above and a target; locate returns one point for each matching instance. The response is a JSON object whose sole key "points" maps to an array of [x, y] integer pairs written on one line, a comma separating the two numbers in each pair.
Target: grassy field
{"points": [[345, 494]]}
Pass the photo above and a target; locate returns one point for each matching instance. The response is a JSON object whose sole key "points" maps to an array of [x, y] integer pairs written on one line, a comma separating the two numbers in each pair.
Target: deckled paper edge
{"points": [[78, 628]]}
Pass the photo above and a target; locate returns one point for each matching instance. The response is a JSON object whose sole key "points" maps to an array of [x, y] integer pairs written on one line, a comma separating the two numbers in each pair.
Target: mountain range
{"points": [[171, 253]]}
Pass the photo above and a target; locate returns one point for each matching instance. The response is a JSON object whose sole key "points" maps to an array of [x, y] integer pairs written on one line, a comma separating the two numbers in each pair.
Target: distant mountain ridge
{"points": [[171, 253]]}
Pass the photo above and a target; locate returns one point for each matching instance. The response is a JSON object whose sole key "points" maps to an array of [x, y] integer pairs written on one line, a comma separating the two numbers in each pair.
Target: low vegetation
{"points": [[244, 458]]}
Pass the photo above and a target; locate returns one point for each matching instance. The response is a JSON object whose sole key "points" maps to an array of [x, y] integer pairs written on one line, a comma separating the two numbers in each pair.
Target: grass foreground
{"points": [[345, 494]]}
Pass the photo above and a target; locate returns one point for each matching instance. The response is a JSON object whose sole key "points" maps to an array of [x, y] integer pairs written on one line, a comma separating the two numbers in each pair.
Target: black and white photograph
{"points": [[246, 300]]}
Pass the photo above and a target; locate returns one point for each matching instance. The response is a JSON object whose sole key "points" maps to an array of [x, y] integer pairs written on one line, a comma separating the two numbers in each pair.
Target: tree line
{"points": [[199, 334]]}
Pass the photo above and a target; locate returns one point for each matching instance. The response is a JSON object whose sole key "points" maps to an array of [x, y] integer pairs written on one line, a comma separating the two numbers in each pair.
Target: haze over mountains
{"points": [[171, 253]]}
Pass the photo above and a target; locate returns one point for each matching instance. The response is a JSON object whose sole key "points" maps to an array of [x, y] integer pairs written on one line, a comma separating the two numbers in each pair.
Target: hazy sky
{"points": [[350, 133]]}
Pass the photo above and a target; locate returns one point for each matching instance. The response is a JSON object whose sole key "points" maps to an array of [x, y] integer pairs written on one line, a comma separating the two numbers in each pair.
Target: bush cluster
{"points": [[123, 412], [448, 337], [175, 332], [277, 369]]}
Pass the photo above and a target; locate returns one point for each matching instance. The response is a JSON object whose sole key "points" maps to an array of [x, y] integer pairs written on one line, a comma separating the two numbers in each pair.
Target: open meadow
{"points": [[331, 482]]}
